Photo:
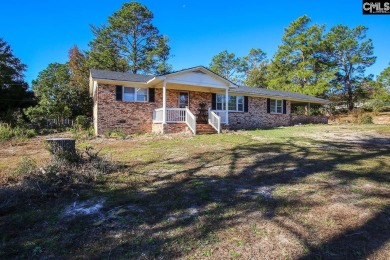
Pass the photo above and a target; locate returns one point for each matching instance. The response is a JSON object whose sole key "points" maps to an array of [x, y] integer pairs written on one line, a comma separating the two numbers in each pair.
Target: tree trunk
{"points": [[59, 147], [350, 98]]}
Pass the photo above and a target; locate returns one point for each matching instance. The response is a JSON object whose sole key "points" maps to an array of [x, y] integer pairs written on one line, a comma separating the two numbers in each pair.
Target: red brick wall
{"points": [[194, 99], [136, 117], [131, 117], [257, 116], [160, 128]]}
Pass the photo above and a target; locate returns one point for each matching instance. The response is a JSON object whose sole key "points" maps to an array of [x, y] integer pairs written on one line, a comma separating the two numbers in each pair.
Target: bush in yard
{"points": [[7, 132], [366, 119], [26, 167], [375, 106], [360, 117], [81, 122], [116, 133]]}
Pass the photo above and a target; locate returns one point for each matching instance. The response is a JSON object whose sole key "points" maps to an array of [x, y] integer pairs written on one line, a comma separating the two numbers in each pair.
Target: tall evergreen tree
{"points": [[104, 52], [350, 54], [14, 94], [228, 66], [382, 87], [129, 42], [256, 68], [384, 77], [163, 53], [298, 64]]}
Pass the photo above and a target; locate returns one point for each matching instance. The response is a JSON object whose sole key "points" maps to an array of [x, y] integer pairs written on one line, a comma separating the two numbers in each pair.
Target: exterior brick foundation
{"points": [[160, 128]]}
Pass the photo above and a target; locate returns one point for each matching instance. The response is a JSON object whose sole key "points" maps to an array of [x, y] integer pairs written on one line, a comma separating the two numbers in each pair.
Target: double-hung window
{"points": [[135, 94], [220, 102], [240, 103], [183, 99], [235, 103], [232, 103], [276, 106]]}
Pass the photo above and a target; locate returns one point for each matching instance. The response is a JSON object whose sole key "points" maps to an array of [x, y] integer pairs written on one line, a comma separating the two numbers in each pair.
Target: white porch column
{"points": [[227, 105], [165, 102]]}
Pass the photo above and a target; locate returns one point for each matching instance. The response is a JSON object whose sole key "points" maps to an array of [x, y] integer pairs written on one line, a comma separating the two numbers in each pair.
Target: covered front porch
{"points": [[183, 115], [186, 99]]}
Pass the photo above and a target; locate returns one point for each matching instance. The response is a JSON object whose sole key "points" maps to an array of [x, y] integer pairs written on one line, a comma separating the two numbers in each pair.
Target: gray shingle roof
{"points": [[276, 93], [125, 76], [120, 76]]}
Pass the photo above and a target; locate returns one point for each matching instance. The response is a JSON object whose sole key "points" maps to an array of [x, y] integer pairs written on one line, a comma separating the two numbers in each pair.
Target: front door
{"points": [[183, 99]]}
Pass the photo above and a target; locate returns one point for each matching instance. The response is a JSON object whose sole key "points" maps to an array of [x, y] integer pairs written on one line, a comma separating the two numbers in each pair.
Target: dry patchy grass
{"points": [[296, 192]]}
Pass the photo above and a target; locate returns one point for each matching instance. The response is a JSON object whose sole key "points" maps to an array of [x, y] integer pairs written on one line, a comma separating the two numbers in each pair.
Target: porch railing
{"points": [[221, 114], [215, 121], [158, 115], [173, 115], [190, 120], [184, 115], [176, 115]]}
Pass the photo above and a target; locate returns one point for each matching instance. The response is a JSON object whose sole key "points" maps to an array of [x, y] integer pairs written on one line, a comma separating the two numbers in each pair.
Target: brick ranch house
{"points": [[194, 99]]}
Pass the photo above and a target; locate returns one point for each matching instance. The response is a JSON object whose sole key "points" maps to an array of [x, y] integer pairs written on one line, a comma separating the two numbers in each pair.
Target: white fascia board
{"points": [[211, 74], [95, 86], [280, 97], [122, 83], [91, 85], [155, 80], [198, 84]]}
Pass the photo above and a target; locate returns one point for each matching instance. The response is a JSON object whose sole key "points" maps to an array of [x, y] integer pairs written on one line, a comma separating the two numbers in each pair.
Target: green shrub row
{"points": [[7, 132]]}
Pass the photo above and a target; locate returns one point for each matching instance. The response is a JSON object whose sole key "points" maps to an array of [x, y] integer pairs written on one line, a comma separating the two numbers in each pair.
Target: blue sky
{"points": [[42, 32]]}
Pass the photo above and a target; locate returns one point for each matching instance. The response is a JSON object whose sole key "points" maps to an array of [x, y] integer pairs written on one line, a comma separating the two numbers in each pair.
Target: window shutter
{"points": [[268, 105], [246, 103], [213, 101], [284, 106], [118, 93], [151, 95]]}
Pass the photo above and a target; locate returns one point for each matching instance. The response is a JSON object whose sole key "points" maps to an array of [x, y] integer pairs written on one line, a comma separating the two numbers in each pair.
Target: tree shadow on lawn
{"points": [[185, 213]]}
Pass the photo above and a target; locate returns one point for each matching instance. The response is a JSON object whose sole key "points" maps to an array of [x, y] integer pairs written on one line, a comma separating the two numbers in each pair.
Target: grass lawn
{"points": [[301, 192]]}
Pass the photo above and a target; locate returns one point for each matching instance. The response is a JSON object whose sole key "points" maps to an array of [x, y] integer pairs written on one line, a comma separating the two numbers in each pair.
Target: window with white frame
{"points": [[183, 99], [220, 102], [276, 106], [240, 103], [236, 103], [135, 94], [232, 103]]}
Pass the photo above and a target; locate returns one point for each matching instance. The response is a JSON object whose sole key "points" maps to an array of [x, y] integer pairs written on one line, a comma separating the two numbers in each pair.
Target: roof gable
{"points": [[199, 76]]}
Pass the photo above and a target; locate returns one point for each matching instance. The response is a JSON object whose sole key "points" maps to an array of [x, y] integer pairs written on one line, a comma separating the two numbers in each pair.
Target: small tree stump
{"points": [[62, 146]]}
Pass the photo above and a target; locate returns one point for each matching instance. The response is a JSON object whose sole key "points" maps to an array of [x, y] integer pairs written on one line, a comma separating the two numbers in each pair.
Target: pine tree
{"points": [[130, 42], [349, 55], [14, 94], [298, 64]]}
